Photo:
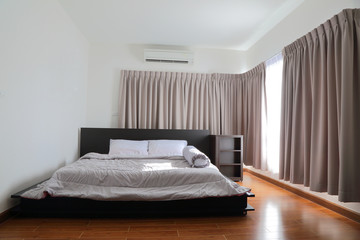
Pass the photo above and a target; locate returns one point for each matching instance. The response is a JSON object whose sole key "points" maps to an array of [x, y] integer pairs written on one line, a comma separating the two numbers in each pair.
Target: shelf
{"points": [[228, 155], [230, 164], [236, 179], [229, 136], [229, 150], [231, 171]]}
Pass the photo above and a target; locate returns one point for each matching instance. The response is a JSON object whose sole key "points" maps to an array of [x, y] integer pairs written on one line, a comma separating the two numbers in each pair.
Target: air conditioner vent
{"points": [[167, 61], [168, 56]]}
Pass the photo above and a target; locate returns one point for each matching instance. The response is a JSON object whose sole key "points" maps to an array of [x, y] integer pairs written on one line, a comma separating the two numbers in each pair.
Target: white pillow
{"points": [[128, 148], [196, 158], [166, 148]]}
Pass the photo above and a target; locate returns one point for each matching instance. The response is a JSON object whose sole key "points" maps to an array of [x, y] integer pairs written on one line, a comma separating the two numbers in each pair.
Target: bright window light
{"points": [[273, 83]]}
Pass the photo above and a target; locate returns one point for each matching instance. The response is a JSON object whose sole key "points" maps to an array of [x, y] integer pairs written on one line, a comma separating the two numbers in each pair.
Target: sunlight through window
{"points": [[273, 84]]}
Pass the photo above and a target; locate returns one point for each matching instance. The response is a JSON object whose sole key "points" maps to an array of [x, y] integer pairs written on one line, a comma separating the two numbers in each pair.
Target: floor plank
{"points": [[278, 215]]}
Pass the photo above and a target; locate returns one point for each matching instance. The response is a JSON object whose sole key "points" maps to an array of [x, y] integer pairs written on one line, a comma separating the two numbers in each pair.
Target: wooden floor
{"points": [[279, 215]]}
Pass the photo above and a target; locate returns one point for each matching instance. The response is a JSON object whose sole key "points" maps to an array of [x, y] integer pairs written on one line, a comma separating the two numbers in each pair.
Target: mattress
{"points": [[112, 178]]}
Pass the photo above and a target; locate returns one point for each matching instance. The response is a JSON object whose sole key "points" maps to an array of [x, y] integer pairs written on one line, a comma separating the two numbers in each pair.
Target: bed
{"points": [[94, 142]]}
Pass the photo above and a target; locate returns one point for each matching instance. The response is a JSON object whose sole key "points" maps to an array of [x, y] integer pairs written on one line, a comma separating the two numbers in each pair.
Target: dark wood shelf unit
{"points": [[227, 155], [234, 164]]}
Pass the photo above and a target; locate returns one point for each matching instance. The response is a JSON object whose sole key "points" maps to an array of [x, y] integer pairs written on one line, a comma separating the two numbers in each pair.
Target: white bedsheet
{"points": [[105, 177]]}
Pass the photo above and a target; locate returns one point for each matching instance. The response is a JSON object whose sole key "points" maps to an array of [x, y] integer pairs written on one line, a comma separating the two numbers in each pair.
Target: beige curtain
{"points": [[169, 100], [222, 103], [320, 129], [241, 105]]}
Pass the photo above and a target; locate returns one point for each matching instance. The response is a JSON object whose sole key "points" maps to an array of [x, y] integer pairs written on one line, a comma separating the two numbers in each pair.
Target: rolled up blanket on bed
{"points": [[195, 157]]}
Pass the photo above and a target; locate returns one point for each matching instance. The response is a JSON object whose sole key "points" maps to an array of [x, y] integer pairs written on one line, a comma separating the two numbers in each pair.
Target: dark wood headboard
{"points": [[98, 139]]}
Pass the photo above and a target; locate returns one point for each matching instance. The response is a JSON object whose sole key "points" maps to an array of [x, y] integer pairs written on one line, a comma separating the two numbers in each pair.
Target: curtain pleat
{"points": [[320, 130], [241, 99], [222, 103], [168, 100]]}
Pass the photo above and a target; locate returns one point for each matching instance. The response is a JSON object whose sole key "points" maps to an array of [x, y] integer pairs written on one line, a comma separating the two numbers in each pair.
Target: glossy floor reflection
{"points": [[283, 215], [279, 215]]}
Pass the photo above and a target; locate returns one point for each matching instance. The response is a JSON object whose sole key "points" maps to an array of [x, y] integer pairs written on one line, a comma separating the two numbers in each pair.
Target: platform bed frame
{"points": [[97, 140]]}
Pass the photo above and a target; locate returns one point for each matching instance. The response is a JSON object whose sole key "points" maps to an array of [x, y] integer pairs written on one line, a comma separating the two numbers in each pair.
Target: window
{"points": [[273, 83]]}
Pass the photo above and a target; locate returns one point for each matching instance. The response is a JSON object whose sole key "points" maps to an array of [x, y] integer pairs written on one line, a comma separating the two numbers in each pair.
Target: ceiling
{"points": [[223, 24]]}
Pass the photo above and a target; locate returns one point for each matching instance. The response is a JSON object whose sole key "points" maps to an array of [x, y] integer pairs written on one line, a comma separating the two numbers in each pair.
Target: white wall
{"points": [[309, 15], [43, 81], [106, 62]]}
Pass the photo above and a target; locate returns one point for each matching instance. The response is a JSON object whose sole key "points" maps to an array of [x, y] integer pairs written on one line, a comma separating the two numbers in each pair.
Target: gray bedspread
{"points": [[107, 177]]}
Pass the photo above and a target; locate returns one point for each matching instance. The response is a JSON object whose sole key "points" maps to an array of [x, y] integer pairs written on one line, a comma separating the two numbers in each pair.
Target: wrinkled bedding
{"points": [[110, 178]]}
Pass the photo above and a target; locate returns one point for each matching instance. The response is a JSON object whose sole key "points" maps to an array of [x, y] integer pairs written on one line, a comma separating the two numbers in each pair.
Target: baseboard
{"points": [[7, 214], [332, 206]]}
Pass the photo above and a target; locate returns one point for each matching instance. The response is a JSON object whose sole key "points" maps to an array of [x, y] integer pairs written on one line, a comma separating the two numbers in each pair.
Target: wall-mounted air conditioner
{"points": [[168, 56]]}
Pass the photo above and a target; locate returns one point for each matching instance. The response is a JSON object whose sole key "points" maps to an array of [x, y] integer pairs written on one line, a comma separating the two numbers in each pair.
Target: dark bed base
{"points": [[75, 207], [97, 140]]}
